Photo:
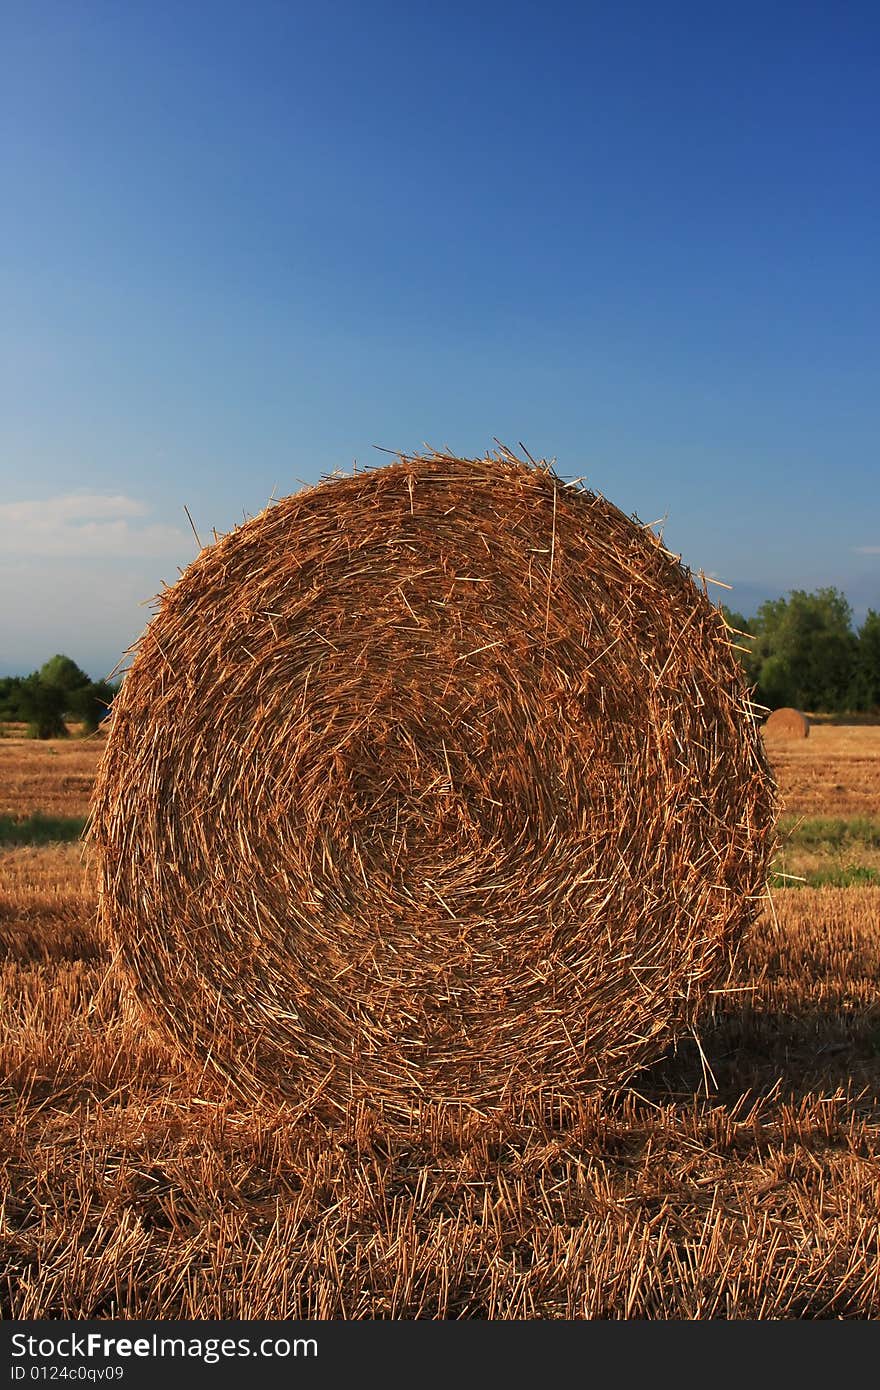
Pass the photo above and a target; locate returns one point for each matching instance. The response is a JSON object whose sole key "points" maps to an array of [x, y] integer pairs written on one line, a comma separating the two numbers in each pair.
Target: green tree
{"points": [[63, 673], [60, 688], [43, 706], [866, 680], [89, 703], [805, 650], [10, 698]]}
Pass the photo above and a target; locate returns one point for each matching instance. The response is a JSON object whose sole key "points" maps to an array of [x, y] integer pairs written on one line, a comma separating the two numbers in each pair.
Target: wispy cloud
{"points": [[87, 525], [866, 549]]}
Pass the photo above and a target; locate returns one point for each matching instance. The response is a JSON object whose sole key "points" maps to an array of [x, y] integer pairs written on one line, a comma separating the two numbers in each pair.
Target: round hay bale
{"points": [[787, 723], [437, 782]]}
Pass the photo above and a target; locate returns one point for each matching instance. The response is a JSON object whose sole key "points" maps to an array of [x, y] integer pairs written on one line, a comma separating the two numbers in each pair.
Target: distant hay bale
{"points": [[787, 723], [438, 782]]}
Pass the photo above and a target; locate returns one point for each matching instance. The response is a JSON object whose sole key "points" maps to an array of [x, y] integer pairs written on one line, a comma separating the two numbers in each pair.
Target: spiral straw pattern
{"points": [[437, 782]]}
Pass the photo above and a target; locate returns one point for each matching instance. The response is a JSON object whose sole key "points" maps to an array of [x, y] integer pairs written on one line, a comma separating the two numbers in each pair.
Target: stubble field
{"points": [[740, 1178]]}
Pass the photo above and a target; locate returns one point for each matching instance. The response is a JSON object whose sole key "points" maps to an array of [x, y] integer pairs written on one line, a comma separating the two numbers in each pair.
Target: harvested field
{"points": [[834, 772], [136, 1189], [670, 1204], [54, 777]]}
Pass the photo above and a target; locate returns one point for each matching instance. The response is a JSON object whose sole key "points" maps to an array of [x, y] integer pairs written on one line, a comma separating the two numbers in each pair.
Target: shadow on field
{"points": [[752, 1049]]}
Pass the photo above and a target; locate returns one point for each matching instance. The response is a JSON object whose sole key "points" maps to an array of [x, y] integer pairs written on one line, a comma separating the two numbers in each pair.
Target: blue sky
{"points": [[243, 243]]}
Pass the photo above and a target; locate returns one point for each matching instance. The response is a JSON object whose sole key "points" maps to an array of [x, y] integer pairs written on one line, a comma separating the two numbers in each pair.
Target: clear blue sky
{"points": [[242, 243]]}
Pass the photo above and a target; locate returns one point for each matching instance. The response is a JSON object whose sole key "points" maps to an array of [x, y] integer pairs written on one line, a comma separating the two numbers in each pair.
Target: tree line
{"points": [[58, 692], [803, 651]]}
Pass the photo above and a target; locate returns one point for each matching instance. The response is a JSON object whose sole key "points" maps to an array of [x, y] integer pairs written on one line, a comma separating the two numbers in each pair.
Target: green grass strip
{"points": [[821, 832], [855, 876], [40, 830]]}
